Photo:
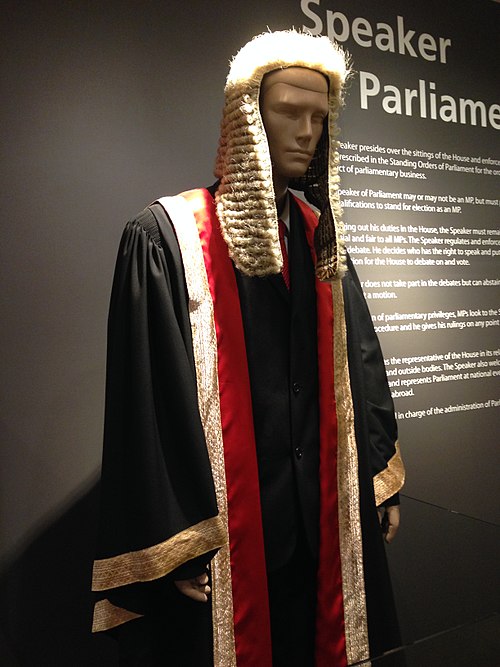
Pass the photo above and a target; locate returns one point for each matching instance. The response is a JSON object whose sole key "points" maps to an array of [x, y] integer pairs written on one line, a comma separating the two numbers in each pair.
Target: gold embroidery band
{"points": [[351, 546], [205, 353], [158, 560], [107, 616], [390, 480]]}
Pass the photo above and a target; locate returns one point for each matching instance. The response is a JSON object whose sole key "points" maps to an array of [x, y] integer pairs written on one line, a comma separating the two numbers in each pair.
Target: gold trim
{"points": [[351, 544], [204, 337], [107, 616], [390, 480], [158, 560]]}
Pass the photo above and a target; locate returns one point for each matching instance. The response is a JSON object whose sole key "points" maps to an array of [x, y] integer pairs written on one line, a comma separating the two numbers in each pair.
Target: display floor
{"points": [[446, 581]]}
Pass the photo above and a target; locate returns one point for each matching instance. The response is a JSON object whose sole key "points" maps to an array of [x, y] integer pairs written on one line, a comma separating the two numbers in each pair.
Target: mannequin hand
{"points": [[389, 520], [196, 589]]}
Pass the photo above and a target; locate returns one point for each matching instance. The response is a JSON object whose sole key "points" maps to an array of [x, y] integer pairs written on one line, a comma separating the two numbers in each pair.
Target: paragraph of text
{"points": [[410, 163], [406, 374]]}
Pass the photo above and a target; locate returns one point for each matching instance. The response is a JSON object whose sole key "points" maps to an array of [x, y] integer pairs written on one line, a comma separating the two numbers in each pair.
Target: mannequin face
{"points": [[293, 105]]}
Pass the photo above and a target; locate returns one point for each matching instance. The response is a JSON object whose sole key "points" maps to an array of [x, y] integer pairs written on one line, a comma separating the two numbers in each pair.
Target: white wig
{"points": [[245, 198]]}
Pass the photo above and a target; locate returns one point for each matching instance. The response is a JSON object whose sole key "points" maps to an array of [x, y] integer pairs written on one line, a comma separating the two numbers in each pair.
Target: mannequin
{"points": [[281, 537]]}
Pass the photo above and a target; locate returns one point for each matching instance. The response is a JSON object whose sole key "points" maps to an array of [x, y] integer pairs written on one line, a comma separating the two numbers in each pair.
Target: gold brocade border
{"points": [[351, 546], [390, 480], [204, 337], [107, 616], [158, 560]]}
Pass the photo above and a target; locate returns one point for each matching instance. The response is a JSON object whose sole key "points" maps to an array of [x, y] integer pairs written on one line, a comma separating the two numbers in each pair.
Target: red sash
{"points": [[249, 581], [330, 632]]}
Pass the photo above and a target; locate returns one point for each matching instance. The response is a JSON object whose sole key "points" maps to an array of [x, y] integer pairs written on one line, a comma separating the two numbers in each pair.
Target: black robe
{"points": [[157, 482]]}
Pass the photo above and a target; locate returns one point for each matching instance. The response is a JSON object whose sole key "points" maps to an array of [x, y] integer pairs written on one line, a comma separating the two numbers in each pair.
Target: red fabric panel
{"points": [[249, 580], [330, 629]]}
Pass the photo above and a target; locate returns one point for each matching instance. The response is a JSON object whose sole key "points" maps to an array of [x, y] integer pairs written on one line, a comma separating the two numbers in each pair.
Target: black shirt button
{"points": [[298, 452], [296, 387]]}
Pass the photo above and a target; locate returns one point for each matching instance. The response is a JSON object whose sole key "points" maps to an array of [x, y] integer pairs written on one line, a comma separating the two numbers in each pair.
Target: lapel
{"points": [[296, 245], [298, 254], [278, 283]]}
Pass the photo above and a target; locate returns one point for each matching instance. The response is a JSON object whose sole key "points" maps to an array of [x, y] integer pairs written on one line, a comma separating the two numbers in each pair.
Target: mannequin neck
{"points": [[280, 194]]}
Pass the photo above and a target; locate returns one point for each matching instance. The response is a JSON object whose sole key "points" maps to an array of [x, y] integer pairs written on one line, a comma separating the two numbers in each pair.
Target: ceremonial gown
{"points": [[180, 478]]}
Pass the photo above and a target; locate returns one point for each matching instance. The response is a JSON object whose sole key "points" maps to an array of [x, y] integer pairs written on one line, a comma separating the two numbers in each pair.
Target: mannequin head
{"points": [[293, 105]]}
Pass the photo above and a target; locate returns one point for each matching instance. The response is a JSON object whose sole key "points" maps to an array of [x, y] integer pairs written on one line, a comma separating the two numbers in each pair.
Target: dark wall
{"points": [[106, 106]]}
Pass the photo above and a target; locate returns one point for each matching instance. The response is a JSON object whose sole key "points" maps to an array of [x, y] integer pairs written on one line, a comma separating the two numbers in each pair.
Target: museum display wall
{"points": [[107, 106]]}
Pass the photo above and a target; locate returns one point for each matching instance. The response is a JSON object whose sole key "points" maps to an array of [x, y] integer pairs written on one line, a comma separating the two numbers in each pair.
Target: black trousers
{"points": [[292, 603]]}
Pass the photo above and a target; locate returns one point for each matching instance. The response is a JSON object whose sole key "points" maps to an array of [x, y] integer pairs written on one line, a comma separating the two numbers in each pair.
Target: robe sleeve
{"points": [[158, 508], [374, 400]]}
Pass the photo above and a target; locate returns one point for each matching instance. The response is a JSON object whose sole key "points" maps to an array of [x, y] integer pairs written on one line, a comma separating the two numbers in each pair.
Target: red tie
{"points": [[283, 232]]}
